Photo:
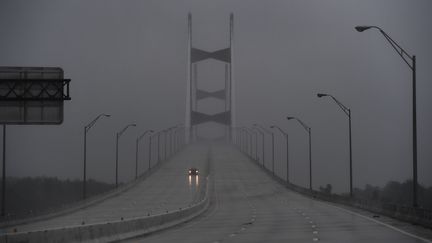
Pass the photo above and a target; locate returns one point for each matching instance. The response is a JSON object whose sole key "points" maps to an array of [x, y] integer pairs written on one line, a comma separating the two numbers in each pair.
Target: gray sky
{"points": [[128, 58]]}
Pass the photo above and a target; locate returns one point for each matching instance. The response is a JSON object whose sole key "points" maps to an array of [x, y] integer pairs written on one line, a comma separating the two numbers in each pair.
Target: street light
{"points": [[117, 144], [252, 132], [167, 133], [176, 138], [273, 148], [256, 142], [165, 142], [243, 139], [406, 58], [287, 153], [158, 142], [86, 129], [247, 138], [150, 152], [362, 28], [249, 135], [262, 144], [347, 111], [150, 148], [238, 138], [136, 151], [308, 129], [171, 135], [180, 138]]}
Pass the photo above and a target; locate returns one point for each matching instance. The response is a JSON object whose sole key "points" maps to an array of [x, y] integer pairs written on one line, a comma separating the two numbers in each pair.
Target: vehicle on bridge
{"points": [[193, 171]]}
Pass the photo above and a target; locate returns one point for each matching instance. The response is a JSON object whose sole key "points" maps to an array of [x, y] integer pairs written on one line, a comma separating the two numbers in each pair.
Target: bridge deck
{"points": [[169, 188], [249, 206]]}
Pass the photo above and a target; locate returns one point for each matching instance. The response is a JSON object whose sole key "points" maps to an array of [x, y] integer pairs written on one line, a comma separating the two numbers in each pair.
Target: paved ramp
{"points": [[169, 188], [249, 206]]}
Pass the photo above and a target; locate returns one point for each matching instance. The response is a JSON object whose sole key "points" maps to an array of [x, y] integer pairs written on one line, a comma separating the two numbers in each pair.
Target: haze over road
{"points": [[248, 206]]}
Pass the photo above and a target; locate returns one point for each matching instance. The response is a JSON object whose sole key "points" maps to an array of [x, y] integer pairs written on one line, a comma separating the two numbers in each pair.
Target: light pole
{"points": [[406, 57], [287, 153], [237, 137], [263, 144], [165, 142], [3, 209], [177, 137], [347, 112], [250, 132], [242, 144], [169, 146], [241, 136], [246, 140], [249, 141], [256, 143], [117, 145], [308, 129], [86, 129], [150, 152], [171, 135], [158, 148], [136, 151], [273, 148]]}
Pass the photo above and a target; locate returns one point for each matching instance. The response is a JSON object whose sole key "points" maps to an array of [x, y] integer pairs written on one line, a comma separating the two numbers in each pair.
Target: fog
{"points": [[129, 59]]}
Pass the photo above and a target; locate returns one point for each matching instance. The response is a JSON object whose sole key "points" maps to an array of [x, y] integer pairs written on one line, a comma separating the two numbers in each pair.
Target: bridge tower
{"points": [[194, 117]]}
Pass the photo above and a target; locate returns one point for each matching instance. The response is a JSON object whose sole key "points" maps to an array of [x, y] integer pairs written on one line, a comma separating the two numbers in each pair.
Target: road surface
{"points": [[169, 188], [249, 206]]}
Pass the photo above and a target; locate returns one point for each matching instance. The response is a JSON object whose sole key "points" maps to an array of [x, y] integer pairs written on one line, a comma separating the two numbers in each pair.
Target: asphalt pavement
{"points": [[249, 206]]}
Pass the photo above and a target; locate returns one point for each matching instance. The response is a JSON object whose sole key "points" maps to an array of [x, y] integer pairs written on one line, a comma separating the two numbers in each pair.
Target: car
{"points": [[193, 171]]}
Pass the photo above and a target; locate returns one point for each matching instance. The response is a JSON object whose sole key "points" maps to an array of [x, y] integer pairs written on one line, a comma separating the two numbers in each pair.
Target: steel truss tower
{"points": [[195, 94]]}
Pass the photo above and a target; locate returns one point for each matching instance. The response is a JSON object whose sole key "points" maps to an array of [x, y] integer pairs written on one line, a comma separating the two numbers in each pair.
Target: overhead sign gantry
{"points": [[30, 96]]}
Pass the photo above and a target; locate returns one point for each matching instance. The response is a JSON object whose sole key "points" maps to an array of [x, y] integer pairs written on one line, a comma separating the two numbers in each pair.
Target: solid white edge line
{"points": [[379, 222]]}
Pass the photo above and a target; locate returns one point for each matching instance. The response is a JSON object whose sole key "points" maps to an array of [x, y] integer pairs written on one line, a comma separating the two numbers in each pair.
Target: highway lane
{"points": [[249, 206], [169, 188]]}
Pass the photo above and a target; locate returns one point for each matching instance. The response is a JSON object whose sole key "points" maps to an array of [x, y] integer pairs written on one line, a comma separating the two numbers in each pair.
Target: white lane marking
{"points": [[381, 223], [315, 232], [315, 239]]}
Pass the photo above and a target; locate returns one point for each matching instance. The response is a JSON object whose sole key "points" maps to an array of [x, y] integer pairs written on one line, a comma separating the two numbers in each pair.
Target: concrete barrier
{"points": [[114, 230]]}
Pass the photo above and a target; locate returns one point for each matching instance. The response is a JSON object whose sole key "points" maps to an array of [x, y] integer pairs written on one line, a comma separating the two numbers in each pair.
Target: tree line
{"points": [[32, 195]]}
